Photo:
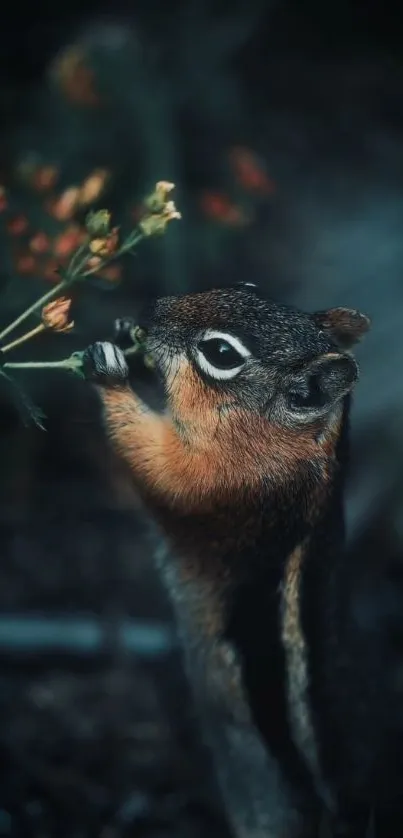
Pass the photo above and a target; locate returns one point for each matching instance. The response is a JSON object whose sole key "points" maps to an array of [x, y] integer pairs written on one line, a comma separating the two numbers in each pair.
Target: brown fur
{"points": [[346, 325], [205, 468], [208, 450], [194, 461]]}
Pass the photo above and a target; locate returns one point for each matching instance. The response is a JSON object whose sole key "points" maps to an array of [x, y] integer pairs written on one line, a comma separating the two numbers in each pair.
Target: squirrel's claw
{"points": [[105, 363]]}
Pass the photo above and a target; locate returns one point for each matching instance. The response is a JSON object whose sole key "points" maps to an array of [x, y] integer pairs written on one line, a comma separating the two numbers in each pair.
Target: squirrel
{"points": [[243, 471]]}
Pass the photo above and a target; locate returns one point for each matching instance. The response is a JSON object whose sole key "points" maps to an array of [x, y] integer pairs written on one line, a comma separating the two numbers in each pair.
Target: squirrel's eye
{"points": [[220, 353], [221, 356]]}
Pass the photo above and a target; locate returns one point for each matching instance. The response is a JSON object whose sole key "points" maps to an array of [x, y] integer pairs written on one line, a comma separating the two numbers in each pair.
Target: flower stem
{"points": [[36, 331], [34, 307], [74, 272], [75, 262], [67, 364], [126, 246], [71, 363]]}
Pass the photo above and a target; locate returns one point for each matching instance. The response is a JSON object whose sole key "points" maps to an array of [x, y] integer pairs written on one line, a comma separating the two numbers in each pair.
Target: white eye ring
{"points": [[209, 368]]}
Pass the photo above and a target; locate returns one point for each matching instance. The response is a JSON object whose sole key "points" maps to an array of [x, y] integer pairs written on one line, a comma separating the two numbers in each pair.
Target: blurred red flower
{"points": [[218, 207], [40, 243], [44, 178], [75, 78], [17, 225], [25, 264], [248, 171], [68, 241]]}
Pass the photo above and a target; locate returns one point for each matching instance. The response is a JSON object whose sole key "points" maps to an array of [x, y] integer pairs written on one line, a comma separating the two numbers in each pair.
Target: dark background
{"points": [[97, 740]]}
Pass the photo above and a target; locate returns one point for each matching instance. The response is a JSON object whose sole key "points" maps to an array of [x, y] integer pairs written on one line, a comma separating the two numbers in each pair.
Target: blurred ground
{"points": [[283, 130]]}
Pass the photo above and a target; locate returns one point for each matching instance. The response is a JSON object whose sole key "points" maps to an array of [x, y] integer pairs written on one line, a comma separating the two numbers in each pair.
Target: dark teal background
{"points": [[93, 732]]}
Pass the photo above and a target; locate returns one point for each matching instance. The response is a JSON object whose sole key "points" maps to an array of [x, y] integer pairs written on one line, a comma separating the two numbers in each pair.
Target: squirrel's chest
{"points": [[200, 567]]}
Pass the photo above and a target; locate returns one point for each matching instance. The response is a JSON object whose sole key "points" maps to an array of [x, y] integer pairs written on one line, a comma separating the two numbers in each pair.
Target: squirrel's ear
{"points": [[319, 384], [344, 325]]}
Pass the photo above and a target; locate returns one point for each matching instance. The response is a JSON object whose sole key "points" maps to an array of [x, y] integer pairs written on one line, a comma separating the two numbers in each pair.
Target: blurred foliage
{"points": [[282, 130]]}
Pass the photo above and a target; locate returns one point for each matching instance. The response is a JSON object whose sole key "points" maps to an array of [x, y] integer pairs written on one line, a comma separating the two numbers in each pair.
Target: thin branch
{"points": [[35, 306]]}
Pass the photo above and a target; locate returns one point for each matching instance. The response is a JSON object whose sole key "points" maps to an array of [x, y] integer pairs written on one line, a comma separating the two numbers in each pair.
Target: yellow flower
{"points": [[105, 246], [160, 210], [157, 200]]}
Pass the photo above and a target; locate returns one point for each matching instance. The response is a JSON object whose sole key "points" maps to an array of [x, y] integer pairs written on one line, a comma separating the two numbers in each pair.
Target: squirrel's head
{"points": [[232, 360]]}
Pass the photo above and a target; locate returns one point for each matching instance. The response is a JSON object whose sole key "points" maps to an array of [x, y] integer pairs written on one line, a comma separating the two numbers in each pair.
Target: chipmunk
{"points": [[244, 473]]}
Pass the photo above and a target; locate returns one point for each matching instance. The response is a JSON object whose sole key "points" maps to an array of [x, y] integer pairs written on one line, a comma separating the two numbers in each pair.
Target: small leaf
{"points": [[28, 411], [78, 370]]}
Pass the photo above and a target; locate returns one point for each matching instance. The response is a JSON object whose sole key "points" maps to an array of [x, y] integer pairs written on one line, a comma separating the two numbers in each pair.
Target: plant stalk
{"points": [[67, 364], [28, 335], [74, 272], [34, 307]]}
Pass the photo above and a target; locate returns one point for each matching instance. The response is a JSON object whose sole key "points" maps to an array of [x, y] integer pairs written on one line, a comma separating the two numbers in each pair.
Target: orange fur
{"points": [[207, 451]]}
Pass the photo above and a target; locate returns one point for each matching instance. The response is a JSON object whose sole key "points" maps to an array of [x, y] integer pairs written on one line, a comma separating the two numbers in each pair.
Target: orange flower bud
{"points": [[18, 225], [39, 243], [45, 178], [94, 262], [25, 264], [55, 315], [93, 186], [68, 241], [64, 207]]}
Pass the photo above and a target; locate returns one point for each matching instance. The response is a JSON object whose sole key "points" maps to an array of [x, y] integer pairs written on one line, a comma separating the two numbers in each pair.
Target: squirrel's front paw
{"points": [[104, 363], [123, 331]]}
